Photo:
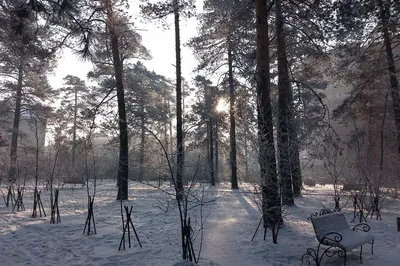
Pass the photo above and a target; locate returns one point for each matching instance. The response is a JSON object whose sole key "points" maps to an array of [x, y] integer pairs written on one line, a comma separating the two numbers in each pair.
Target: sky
{"points": [[159, 41]]}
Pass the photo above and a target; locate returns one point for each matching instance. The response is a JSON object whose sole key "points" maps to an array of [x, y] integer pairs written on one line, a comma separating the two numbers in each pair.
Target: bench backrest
{"points": [[333, 222]]}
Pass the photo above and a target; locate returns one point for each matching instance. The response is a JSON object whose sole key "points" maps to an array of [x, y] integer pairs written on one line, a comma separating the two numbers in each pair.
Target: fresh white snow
{"points": [[232, 220]]}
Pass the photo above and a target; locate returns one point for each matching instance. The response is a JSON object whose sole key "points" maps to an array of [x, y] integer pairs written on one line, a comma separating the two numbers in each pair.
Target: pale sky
{"points": [[160, 42]]}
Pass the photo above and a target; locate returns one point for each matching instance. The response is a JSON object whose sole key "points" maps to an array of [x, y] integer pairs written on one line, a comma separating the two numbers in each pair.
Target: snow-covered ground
{"points": [[232, 220]]}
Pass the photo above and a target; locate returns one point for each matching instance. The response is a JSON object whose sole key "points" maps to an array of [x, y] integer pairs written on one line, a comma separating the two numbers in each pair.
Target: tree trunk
{"points": [[246, 150], [208, 150], [170, 131], [74, 127], [123, 173], [179, 129], [271, 206], [216, 153], [211, 164], [232, 133], [17, 117], [295, 162], [142, 142], [35, 193], [284, 114], [394, 82]]}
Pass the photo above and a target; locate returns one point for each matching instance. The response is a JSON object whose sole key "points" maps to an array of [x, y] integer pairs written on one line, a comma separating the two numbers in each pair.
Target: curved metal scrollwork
{"points": [[311, 253], [323, 211], [361, 227], [331, 240]]}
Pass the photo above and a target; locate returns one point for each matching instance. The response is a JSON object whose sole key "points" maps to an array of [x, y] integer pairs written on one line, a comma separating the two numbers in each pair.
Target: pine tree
{"points": [[285, 116], [205, 109], [147, 108], [271, 206], [25, 60], [160, 10], [110, 42], [223, 33], [354, 26], [74, 101]]}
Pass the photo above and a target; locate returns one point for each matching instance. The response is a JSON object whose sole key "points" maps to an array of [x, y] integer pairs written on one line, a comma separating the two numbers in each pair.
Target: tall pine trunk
{"points": [[271, 206], [179, 129], [142, 140], [74, 127], [232, 130], [171, 141], [246, 155], [17, 117], [284, 112], [394, 82], [216, 152], [35, 193], [211, 145], [123, 173], [297, 179]]}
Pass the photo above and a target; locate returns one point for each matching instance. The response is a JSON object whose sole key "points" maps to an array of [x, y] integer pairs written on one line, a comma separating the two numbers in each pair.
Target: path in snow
{"points": [[230, 228]]}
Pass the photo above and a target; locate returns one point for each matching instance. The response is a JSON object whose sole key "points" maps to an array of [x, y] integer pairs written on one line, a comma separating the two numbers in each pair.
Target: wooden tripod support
{"points": [[37, 203], [19, 203], [127, 226], [258, 226], [188, 244], [9, 198], [55, 213], [358, 211], [90, 217]]}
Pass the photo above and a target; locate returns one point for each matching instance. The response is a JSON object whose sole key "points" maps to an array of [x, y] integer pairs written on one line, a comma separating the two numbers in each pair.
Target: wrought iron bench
{"points": [[333, 231]]}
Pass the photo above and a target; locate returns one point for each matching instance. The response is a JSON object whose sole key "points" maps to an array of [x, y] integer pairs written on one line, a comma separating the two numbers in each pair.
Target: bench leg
{"points": [[361, 254], [372, 246], [345, 257]]}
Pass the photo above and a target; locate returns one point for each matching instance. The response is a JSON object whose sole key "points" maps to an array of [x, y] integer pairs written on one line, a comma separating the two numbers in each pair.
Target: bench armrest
{"points": [[330, 238], [361, 227]]}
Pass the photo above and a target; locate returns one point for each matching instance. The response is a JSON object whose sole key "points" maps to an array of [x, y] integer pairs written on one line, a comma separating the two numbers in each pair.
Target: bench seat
{"points": [[351, 239]]}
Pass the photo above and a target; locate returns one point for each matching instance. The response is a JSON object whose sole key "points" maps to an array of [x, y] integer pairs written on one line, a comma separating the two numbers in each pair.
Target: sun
{"points": [[222, 106]]}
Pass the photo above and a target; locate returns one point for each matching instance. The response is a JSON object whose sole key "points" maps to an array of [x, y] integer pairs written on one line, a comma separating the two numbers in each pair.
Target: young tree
{"points": [[38, 116]]}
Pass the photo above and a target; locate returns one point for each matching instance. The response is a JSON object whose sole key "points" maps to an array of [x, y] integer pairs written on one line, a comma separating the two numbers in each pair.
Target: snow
{"points": [[232, 220]]}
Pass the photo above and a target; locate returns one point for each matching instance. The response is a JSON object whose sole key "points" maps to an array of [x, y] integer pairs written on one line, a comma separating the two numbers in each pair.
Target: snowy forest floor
{"points": [[232, 220]]}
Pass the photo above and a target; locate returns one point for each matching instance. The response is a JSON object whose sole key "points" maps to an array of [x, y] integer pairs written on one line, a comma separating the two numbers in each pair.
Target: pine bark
{"points": [[211, 144], [270, 197], [17, 117], [142, 141], [284, 112], [74, 126], [123, 173], [179, 127], [232, 130], [394, 82], [216, 152], [35, 194]]}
